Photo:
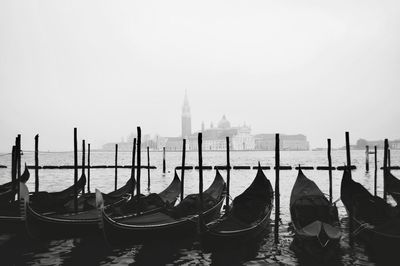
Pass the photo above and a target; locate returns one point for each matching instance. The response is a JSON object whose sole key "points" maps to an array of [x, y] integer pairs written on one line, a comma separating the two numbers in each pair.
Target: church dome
{"points": [[224, 123]]}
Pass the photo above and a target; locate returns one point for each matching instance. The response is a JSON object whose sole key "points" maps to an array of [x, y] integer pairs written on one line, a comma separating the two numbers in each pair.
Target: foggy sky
{"points": [[286, 66]]}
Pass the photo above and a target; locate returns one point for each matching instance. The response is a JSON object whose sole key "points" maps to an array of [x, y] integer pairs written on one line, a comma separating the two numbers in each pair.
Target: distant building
{"points": [[214, 138], [361, 143], [287, 142]]}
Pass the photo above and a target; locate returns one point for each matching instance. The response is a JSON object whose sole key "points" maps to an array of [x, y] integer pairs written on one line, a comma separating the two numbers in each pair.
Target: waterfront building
{"points": [[287, 142]]}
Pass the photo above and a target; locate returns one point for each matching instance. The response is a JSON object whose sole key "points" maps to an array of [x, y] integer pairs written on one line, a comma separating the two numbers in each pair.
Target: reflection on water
{"points": [[21, 250]]}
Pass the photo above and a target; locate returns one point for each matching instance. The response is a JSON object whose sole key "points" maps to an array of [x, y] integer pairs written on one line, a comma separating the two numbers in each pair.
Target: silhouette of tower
{"points": [[186, 118]]}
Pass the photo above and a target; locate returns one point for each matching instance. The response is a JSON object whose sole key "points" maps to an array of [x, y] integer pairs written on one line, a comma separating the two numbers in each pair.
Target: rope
{"points": [[362, 227]]}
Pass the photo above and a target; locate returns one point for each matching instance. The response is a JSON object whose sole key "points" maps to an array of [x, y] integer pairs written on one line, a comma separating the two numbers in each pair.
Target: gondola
{"points": [[9, 189], [315, 221], [146, 204], [375, 222], [87, 201], [246, 221], [81, 223], [392, 186], [174, 223], [12, 214]]}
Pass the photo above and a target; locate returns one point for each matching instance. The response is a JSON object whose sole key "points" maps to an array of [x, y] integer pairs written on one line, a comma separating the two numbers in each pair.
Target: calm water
{"points": [[88, 251]]}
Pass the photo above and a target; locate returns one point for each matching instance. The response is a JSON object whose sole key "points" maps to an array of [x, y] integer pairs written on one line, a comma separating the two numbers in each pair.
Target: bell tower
{"points": [[186, 118]]}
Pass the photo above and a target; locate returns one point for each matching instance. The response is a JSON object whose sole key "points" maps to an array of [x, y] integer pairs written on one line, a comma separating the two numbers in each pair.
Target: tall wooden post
{"points": [[228, 174], [88, 169], [37, 163], [133, 166], [367, 158], [163, 161], [139, 143], [348, 158], [183, 169], [18, 165], [200, 143], [148, 169], [116, 168], [14, 167], [83, 161], [330, 170], [388, 156], [75, 169], [277, 195], [376, 171], [385, 167]]}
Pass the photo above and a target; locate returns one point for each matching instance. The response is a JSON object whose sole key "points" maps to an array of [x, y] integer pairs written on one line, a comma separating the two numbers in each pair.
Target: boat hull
{"points": [[118, 233]]}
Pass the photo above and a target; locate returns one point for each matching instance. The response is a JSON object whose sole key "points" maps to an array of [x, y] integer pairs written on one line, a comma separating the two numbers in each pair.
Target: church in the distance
{"points": [[214, 137], [241, 139]]}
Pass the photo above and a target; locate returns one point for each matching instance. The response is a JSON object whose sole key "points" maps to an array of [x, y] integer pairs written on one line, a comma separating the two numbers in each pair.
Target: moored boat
{"points": [[82, 223], [12, 215], [174, 223], [246, 221], [375, 222], [315, 221]]}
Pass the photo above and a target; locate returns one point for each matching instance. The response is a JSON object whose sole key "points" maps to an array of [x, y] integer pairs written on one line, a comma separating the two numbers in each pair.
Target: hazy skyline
{"points": [[316, 68]]}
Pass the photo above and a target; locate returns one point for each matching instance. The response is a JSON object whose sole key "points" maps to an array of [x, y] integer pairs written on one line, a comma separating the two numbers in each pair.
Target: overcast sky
{"points": [[285, 66]]}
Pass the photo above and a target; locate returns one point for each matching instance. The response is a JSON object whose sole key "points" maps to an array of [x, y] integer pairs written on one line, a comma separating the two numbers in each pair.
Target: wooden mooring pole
{"points": [[88, 168], [200, 143], [348, 166], [148, 169], [385, 167], [75, 169], [83, 161], [375, 171], [228, 175], [116, 168], [133, 166], [183, 168], [163, 161], [37, 163], [330, 170], [367, 158], [18, 165], [277, 200], [13, 166], [139, 144]]}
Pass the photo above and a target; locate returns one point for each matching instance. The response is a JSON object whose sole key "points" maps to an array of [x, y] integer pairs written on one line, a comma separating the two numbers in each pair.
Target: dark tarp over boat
{"points": [[170, 224], [71, 224], [146, 204], [376, 222], [11, 214], [315, 221], [392, 186], [247, 220]]}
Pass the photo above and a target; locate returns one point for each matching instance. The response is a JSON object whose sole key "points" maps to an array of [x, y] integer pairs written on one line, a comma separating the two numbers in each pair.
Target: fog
{"points": [[108, 66]]}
